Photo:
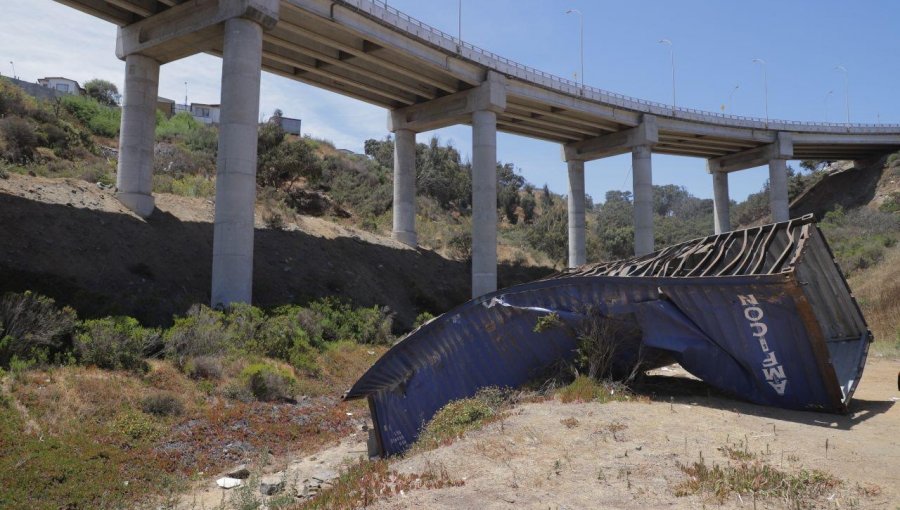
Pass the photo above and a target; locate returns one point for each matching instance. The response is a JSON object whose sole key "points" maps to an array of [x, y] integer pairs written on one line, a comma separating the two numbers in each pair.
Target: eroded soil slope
{"points": [[73, 241]]}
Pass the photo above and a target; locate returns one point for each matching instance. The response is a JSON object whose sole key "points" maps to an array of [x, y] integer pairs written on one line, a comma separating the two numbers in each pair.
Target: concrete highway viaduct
{"points": [[426, 80]]}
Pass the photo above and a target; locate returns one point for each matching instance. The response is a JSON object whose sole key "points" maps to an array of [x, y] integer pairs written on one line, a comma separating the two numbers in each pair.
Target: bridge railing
{"points": [[401, 21]]}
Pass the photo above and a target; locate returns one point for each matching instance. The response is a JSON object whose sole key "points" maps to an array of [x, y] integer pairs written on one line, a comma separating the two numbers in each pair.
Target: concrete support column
{"points": [[405, 187], [643, 199], [778, 190], [721, 204], [484, 202], [577, 253], [232, 271], [134, 179]]}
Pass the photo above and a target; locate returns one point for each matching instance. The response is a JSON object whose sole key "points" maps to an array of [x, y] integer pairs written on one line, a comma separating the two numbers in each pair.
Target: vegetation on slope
{"points": [[103, 413]]}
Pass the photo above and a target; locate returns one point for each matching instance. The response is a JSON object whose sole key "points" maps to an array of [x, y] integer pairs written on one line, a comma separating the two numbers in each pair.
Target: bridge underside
{"points": [[427, 80]]}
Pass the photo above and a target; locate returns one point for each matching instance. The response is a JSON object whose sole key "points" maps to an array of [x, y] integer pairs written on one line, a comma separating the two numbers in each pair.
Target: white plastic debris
{"points": [[228, 483]]}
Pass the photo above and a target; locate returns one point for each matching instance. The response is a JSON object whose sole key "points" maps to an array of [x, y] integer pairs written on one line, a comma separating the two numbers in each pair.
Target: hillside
{"points": [[138, 396], [85, 240]]}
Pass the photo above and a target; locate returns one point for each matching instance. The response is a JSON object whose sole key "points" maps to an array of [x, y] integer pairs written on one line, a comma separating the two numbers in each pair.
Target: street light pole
{"points": [[459, 22], [581, 20], [672, 51], [828, 95], [846, 89], [13, 69], [765, 85]]}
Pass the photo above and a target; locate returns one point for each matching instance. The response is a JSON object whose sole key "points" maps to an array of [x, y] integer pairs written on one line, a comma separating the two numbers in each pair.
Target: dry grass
{"points": [[878, 292], [586, 389], [366, 482], [755, 479]]}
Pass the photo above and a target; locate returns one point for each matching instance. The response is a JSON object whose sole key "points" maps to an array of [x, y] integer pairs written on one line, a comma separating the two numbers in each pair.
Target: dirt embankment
{"points": [[74, 242], [848, 184], [628, 454]]}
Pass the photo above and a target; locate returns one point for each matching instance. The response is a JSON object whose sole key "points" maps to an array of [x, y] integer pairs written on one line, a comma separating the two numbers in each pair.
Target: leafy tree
{"points": [[441, 175], [549, 233], [382, 151], [102, 91], [508, 185]]}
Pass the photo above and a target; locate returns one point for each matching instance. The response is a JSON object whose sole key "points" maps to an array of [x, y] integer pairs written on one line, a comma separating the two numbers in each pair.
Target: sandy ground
{"points": [[627, 455]]}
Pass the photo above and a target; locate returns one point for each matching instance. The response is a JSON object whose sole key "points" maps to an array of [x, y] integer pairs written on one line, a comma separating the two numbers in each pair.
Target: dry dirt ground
{"points": [[74, 242], [627, 454]]}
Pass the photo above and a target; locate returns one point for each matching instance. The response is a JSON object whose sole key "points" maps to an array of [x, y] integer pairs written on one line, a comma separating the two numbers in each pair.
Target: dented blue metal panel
{"points": [[736, 310]]}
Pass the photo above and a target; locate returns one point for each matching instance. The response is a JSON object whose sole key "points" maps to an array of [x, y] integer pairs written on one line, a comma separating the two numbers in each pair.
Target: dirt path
{"points": [[627, 455], [302, 475]]}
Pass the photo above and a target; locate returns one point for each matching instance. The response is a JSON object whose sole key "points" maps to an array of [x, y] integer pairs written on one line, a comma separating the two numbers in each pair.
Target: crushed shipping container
{"points": [[763, 314]]}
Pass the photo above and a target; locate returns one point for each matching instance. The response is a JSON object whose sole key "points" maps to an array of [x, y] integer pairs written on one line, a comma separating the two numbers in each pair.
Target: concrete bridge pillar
{"points": [[721, 204], [134, 178], [484, 202], [643, 199], [778, 190], [577, 252], [405, 187], [232, 271]]}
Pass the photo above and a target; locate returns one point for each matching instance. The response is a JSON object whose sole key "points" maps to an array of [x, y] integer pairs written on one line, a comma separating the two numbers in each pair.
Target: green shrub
{"points": [[162, 404], [179, 125], [269, 383], [422, 319], [341, 322], [207, 332], [101, 120], [283, 337], [461, 416], [32, 327], [114, 343], [891, 203], [203, 367]]}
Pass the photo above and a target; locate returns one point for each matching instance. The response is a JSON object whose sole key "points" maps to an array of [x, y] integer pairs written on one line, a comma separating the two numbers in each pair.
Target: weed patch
{"points": [[755, 479], [366, 482], [586, 389], [461, 416]]}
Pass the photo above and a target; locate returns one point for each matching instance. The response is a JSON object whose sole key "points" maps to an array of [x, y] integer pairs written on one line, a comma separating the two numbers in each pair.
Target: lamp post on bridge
{"points": [[672, 51], [828, 95], [765, 85], [581, 21], [846, 88]]}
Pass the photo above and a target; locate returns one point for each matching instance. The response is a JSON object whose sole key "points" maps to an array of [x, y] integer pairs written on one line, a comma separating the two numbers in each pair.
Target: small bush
{"points": [[891, 203], [162, 404], [207, 332], [339, 322], [113, 343], [136, 426], [269, 383], [101, 120], [585, 389], [21, 141], [422, 319], [284, 337], [33, 328], [204, 368], [461, 416]]}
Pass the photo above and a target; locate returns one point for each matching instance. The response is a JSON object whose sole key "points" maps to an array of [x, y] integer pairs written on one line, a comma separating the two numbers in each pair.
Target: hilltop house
{"points": [[61, 84]]}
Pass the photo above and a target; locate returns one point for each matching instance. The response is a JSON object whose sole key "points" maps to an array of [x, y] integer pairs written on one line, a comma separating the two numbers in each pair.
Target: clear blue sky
{"points": [[714, 43]]}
